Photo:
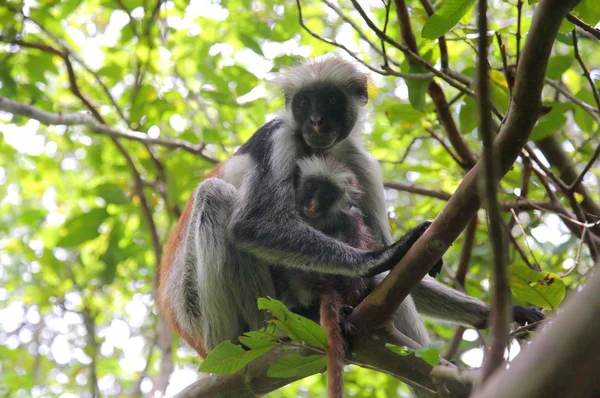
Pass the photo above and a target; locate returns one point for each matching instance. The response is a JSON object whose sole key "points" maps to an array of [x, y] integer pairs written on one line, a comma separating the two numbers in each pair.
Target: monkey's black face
{"points": [[318, 197], [324, 115]]}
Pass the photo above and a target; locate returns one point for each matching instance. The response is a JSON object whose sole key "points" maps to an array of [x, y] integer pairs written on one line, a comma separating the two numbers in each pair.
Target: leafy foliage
{"points": [[430, 353], [543, 289], [77, 259]]}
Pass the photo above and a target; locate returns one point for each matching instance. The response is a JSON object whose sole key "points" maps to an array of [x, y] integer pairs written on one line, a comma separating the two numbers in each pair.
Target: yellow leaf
{"points": [[498, 78], [578, 197], [371, 89]]}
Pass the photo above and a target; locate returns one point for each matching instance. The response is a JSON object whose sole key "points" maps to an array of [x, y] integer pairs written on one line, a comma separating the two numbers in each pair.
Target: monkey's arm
{"points": [[439, 301], [266, 224]]}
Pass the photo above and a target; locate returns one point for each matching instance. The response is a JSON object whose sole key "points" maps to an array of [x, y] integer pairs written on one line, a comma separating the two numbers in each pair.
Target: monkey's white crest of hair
{"points": [[332, 170], [328, 69]]}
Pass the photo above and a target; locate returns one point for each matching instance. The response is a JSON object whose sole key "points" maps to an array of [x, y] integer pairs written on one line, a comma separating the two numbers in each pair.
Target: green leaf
{"points": [[250, 42], [549, 123], [430, 353], [82, 228], [417, 89], [297, 366], [468, 116], [113, 255], [558, 65], [588, 11], [542, 289], [228, 358], [404, 113], [111, 193], [293, 325], [445, 18], [33, 217], [257, 339]]}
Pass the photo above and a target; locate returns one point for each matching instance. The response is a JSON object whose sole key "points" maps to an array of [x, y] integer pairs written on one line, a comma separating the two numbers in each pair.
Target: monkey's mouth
{"points": [[311, 212], [320, 141]]}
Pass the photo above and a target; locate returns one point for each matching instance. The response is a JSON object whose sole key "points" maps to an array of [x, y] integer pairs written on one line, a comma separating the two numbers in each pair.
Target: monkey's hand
{"points": [[436, 269], [399, 249], [346, 328], [524, 316]]}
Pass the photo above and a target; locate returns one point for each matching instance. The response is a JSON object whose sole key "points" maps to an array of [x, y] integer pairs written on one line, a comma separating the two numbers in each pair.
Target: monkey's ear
{"points": [[288, 99], [362, 90]]}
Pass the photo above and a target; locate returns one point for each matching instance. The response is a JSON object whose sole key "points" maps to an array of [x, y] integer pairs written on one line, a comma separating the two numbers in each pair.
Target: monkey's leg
{"points": [[439, 301], [206, 250]]}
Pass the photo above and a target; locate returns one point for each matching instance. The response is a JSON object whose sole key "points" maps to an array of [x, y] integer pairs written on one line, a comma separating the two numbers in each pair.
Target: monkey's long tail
{"points": [[331, 304]]}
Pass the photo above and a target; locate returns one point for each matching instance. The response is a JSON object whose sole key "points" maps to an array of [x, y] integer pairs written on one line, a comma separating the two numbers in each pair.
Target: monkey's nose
{"points": [[312, 209], [316, 120]]}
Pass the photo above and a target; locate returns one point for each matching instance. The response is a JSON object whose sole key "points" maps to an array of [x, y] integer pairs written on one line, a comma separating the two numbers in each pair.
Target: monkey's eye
{"points": [[307, 186], [302, 102], [333, 100]]}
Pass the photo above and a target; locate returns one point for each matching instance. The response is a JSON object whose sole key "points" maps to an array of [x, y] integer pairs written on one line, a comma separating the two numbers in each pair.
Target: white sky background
{"points": [[27, 140]]}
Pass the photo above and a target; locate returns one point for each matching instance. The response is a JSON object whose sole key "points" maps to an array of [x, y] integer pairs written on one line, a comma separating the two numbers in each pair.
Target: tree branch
{"points": [[84, 119], [435, 91], [465, 202], [499, 324], [578, 22]]}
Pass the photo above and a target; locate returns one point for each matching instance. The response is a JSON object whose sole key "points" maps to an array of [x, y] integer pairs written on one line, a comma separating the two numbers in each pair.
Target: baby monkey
{"points": [[327, 196]]}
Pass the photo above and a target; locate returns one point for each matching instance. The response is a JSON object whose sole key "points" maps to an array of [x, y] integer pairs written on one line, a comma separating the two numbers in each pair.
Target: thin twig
{"points": [[385, 72], [446, 147], [84, 119], [516, 218], [418, 190], [527, 327], [593, 112], [513, 240], [587, 167], [581, 240], [518, 38], [586, 72], [502, 49], [410, 54], [361, 34], [588, 28]]}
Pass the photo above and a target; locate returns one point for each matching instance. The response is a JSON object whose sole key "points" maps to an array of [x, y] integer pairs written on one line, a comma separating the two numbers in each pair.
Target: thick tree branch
{"points": [[465, 202], [499, 324], [368, 351]]}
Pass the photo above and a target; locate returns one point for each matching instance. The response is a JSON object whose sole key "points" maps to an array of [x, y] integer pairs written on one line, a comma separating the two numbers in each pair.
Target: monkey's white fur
{"points": [[328, 69]]}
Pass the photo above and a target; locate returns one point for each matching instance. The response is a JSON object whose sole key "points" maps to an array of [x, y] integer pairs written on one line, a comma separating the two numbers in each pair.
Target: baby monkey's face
{"points": [[318, 197]]}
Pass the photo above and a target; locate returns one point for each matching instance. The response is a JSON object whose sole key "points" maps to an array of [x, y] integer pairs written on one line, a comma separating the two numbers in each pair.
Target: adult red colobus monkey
{"points": [[242, 225]]}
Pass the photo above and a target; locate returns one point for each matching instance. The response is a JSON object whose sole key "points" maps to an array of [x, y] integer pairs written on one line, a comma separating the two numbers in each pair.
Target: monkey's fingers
{"points": [[524, 316], [415, 233], [436, 269], [347, 330]]}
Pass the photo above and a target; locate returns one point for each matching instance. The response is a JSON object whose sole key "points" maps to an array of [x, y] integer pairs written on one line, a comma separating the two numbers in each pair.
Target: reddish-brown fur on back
{"points": [[169, 254]]}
